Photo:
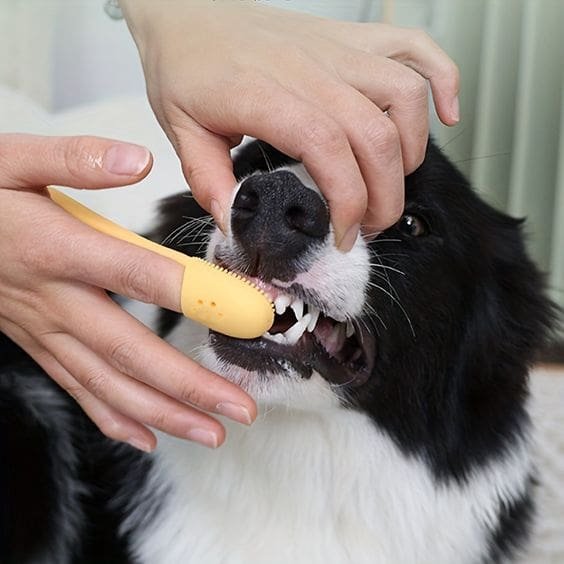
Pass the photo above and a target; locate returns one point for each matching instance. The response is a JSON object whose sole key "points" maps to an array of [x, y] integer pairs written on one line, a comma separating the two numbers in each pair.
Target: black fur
{"points": [[64, 486], [450, 378], [449, 381]]}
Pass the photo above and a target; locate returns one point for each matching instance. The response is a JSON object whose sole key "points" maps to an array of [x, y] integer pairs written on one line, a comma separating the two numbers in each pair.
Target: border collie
{"points": [[392, 389]]}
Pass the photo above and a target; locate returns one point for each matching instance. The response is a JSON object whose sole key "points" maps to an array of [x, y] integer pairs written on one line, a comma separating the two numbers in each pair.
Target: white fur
{"points": [[311, 482], [323, 486]]}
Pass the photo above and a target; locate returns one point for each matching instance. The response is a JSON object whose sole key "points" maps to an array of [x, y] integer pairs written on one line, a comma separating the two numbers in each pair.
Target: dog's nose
{"points": [[276, 219]]}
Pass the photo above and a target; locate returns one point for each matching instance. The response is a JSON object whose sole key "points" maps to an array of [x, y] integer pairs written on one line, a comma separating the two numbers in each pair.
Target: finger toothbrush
{"points": [[211, 295]]}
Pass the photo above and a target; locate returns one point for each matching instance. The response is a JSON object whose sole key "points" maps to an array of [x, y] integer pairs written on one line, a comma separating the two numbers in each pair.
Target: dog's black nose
{"points": [[276, 219]]}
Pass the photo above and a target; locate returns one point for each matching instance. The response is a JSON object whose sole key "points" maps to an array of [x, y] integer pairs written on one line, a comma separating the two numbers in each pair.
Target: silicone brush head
{"points": [[224, 301], [210, 295]]}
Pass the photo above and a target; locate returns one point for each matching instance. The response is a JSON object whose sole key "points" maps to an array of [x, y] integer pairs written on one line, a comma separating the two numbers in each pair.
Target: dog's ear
{"points": [[512, 317], [509, 320], [258, 156]]}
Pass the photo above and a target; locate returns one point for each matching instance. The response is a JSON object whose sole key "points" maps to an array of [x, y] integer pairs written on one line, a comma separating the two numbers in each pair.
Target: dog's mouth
{"points": [[304, 338]]}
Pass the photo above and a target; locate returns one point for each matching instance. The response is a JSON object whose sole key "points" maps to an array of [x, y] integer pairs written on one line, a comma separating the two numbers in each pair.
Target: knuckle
{"points": [[77, 393], [122, 352], [420, 36], [380, 133], [324, 136], [418, 88], [136, 281], [96, 382], [160, 420], [189, 394], [76, 155]]}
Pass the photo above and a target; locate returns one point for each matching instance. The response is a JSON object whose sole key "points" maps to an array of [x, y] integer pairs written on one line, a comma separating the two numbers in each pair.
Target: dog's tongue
{"points": [[336, 361], [331, 335]]}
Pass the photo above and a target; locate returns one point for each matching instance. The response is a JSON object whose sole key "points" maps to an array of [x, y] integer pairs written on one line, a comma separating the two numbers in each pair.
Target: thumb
{"points": [[32, 161]]}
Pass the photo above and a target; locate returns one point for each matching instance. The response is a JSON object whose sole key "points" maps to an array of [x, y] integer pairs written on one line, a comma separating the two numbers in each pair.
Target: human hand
{"points": [[53, 273], [347, 99]]}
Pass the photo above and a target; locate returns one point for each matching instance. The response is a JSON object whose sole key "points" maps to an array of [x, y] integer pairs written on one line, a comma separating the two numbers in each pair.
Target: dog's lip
{"points": [[306, 355]]}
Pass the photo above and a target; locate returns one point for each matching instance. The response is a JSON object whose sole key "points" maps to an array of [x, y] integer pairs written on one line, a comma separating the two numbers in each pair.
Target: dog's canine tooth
{"points": [[298, 308], [295, 332], [350, 329], [314, 313], [279, 338], [281, 303]]}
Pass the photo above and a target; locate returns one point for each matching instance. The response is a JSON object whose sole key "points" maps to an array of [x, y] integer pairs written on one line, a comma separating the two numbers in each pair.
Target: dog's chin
{"points": [[284, 387]]}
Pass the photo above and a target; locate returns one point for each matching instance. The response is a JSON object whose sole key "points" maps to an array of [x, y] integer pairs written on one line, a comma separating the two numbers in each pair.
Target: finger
{"points": [[376, 145], [31, 161], [131, 398], [132, 349], [111, 423], [207, 166], [398, 90], [69, 250], [424, 56], [415, 49], [301, 130]]}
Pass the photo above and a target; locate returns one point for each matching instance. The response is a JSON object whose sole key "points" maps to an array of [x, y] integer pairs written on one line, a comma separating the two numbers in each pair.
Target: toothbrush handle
{"points": [[100, 223]]}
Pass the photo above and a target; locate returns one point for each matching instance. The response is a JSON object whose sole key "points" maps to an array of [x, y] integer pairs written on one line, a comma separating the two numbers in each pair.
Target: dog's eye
{"points": [[412, 226]]}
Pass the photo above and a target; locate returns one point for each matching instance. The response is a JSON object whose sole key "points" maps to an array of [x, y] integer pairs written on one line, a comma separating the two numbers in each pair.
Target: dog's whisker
{"points": [[187, 229], [267, 160], [397, 302], [386, 267]]}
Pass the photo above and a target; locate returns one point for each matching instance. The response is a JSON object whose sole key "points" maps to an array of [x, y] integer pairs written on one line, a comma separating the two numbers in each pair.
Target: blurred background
{"points": [[67, 68]]}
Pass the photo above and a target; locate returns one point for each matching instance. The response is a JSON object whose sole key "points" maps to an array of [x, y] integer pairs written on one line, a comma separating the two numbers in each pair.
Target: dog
{"points": [[392, 388]]}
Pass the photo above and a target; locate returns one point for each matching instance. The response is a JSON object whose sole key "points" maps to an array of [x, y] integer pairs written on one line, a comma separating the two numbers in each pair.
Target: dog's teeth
{"points": [[281, 303], [295, 332], [314, 313], [277, 338], [298, 308], [350, 329]]}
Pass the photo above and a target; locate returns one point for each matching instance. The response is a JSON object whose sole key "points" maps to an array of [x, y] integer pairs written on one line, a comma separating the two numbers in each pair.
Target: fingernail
{"points": [[140, 444], [455, 110], [203, 436], [234, 411], [126, 160], [348, 239], [218, 215]]}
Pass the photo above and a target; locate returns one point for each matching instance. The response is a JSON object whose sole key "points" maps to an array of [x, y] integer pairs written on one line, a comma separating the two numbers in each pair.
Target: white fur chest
{"points": [[323, 487]]}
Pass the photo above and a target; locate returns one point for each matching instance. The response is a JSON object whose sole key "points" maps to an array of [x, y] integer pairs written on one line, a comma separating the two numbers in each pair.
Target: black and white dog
{"points": [[392, 386]]}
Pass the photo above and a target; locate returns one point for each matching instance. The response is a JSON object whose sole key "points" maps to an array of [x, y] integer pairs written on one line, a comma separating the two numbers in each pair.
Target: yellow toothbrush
{"points": [[210, 295]]}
